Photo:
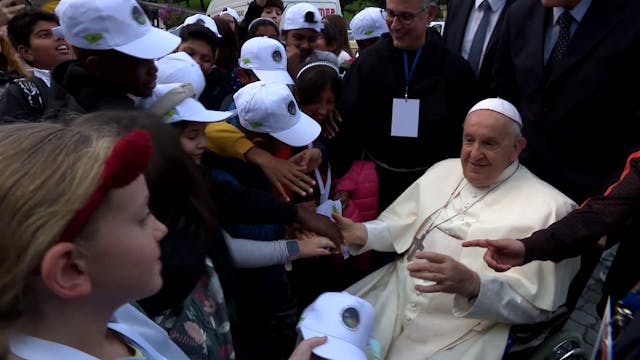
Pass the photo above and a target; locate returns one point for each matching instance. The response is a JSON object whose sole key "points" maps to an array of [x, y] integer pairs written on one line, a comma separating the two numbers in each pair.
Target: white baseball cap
{"points": [[112, 24], [231, 12], [500, 106], [302, 16], [346, 320], [267, 58], [179, 67], [201, 19], [270, 108], [188, 108], [368, 23]]}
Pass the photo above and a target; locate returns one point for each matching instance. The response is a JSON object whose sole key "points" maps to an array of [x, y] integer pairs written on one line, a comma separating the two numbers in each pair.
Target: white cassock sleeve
{"points": [[497, 301], [378, 238]]}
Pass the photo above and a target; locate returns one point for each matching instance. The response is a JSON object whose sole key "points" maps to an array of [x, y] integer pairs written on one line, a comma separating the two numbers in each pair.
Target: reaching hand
{"points": [[303, 350], [353, 233], [501, 254], [8, 11], [450, 276], [281, 172], [343, 196], [319, 224], [330, 127], [311, 245], [308, 159]]}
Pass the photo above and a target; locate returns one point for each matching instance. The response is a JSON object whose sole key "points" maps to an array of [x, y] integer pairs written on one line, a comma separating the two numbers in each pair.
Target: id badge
{"points": [[405, 117]]}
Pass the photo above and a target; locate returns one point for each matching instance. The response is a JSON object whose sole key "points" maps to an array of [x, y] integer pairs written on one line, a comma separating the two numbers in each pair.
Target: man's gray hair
{"points": [[427, 3]]}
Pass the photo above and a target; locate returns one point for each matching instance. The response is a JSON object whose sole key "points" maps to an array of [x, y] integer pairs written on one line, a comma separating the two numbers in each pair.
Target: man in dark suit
{"points": [[567, 65], [464, 19]]}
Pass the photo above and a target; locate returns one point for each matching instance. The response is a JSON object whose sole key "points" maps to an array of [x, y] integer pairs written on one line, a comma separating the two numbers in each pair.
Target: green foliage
{"points": [[351, 8]]}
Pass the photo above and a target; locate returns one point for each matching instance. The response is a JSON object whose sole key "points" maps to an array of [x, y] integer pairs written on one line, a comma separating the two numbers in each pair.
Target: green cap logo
{"points": [[169, 115], [246, 61], [368, 32], [93, 37], [138, 15], [256, 124]]}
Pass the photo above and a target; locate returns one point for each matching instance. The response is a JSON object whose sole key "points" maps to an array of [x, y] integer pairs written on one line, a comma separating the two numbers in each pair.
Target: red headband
{"points": [[128, 159]]}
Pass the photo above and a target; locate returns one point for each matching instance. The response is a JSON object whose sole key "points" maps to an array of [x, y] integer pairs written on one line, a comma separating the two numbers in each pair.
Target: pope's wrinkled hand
{"points": [[450, 276]]}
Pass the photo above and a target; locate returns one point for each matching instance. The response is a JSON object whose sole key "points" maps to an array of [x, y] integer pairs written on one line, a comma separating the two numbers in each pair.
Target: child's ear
{"points": [[25, 53], [64, 271]]}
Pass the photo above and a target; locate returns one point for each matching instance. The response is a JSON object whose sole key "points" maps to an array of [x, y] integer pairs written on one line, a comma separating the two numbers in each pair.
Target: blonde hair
{"points": [[49, 172]]}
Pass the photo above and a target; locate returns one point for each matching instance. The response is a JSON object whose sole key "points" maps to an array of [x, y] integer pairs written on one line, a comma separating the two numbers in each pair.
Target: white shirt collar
{"points": [[44, 75], [32, 348], [496, 5]]}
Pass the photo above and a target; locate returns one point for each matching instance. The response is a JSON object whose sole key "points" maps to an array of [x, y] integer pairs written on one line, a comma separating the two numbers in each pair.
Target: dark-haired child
{"points": [[31, 36], [115, 45]]}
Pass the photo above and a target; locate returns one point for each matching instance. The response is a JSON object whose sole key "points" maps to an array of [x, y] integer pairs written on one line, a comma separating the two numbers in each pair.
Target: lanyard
{"points": [[324, 188], [408, 74]]}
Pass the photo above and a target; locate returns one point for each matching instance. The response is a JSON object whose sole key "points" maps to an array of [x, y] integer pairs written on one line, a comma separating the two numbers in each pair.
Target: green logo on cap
{"points": [[93, 37], [246, 61], [256, 124], [138, 15], [368, 32], [169, 115]]}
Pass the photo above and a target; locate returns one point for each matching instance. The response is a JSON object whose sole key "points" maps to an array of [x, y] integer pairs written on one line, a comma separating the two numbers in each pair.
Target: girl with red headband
{"points": [[77, 243]]}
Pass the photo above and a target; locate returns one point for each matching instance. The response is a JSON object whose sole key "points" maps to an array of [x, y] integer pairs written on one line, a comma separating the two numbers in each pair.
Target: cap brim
{"points": [[208, 116], [334, 348], [155, 44], [277, 76], [301, 134]]}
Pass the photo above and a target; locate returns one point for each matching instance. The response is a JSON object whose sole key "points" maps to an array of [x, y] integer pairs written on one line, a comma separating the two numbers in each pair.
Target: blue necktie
{"points": [[562, 44], [475, 52]]}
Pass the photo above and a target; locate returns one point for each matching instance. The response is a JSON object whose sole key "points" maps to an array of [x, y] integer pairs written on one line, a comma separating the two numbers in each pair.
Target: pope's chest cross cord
{"points": [[431, 222]]}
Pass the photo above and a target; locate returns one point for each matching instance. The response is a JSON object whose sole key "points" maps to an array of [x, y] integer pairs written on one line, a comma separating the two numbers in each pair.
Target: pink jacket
{"points": [[361, 182]]}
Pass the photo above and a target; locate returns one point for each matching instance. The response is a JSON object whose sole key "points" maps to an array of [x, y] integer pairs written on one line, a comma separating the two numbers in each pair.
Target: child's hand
{"points": [[330, 127], [281, 172], [312, 245], [294, 61], [308, 159], [319, 224], [8, 11], [303, 350], [343, 196]]}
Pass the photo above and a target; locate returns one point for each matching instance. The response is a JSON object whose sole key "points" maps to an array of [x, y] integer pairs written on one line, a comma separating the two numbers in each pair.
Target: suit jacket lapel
{"points": [[459, 25], [534, 41], [496, 30], [599, 19]]}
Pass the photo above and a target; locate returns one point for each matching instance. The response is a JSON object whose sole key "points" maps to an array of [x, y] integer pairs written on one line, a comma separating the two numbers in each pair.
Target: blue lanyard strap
{"points": [[408, 74]]}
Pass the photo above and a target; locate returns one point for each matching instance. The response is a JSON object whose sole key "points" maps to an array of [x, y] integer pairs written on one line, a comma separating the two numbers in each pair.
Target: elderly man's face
{"points": [[408, 21], [489, 145]]}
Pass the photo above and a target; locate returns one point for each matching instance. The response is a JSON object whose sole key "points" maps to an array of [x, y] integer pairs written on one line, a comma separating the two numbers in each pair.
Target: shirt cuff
{"points": [[497, 302], [378, 238]]}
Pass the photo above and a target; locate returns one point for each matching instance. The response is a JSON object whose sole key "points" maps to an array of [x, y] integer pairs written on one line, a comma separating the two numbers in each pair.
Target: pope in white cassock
{"points": [[440, 300]]}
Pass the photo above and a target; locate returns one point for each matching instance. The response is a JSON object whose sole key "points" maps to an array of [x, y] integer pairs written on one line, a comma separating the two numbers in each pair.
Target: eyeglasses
{"points": [[405, 18]]}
